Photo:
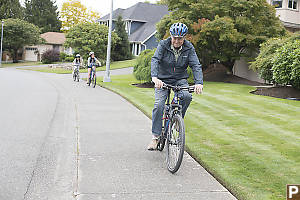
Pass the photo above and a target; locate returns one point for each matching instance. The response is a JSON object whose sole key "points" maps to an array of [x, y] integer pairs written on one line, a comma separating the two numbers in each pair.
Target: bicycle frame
{"points": [[93, 70], [174, 107]]}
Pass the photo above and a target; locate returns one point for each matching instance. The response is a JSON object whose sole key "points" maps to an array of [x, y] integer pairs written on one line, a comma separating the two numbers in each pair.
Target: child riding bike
{"points": [[92, 63], [77, 63]]}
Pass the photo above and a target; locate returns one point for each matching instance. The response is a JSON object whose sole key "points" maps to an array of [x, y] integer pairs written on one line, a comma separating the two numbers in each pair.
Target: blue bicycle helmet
{"points": [[178, 30]]}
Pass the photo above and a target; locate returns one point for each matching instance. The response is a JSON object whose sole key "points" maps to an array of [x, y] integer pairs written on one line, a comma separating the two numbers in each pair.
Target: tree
{"points": [[44, 14], [86, 37], [163, 2], [11, 9], [19, 33], [122, 49], [247, 24], [73, 13]]}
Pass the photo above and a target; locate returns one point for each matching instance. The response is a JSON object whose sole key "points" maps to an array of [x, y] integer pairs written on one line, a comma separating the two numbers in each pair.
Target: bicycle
{"points": [[92, 78], [76, 73], [173, 132]]}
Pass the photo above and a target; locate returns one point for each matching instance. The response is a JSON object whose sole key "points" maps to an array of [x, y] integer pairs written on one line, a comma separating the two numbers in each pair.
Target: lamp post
{"points": [[1, 44], [107, 72]]}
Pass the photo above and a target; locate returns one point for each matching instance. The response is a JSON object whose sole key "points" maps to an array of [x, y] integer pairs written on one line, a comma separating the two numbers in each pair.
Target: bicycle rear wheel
{"points": [[175, 143]]}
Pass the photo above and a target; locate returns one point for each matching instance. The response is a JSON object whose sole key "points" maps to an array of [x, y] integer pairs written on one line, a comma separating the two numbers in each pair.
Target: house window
{"points": [[127, 26], [277, 3], [30, 49], [292, 4]]}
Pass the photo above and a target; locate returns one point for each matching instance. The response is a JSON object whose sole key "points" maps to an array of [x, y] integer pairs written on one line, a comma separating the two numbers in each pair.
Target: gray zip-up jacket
{"points": [[165, 67]]}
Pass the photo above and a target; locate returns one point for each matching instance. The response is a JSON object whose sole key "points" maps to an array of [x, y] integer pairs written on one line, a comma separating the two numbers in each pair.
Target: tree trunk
{"points": [[15, 55]]}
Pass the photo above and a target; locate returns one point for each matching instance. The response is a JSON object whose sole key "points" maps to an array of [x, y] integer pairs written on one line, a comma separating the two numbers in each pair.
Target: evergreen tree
{"points": [[122, 48], [11, 9], [44, 14]]}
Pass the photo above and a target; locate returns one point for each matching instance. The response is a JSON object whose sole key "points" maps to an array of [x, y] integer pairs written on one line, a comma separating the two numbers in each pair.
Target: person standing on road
{"points": [[92, 62], [169, 65]]}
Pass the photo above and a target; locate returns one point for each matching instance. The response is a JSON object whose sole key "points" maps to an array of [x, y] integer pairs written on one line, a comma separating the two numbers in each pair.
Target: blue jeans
{"points": [[159, 105]]}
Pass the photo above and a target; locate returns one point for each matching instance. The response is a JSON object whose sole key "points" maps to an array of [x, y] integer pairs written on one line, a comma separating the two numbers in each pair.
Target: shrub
{"points": [[191, 76], [142, 68], [69, 59], [50, 56], [286, 68], [62, 56], [278, 60], [264, 62]]}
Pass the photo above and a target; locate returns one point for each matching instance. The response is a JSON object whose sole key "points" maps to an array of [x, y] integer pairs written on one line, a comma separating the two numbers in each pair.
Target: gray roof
{"points": [[142, 12], [143, 32]]}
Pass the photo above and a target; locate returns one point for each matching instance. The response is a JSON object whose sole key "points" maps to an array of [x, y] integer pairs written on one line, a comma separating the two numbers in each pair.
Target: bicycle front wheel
{"points": [[78, 76], [90, 80], [175, 143], [163, 136], [94, 80]]}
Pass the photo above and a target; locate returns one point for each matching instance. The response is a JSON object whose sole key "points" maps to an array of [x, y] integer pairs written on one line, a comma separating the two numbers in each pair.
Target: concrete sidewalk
{"points": [[114, 162]]}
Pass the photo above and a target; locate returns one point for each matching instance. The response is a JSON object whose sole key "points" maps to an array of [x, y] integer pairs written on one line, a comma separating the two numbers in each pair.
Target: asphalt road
{"points": [[64, 140]]}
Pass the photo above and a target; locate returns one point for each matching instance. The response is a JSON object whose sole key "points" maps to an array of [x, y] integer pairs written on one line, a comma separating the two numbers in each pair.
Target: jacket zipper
{"points": [[174, 54]]}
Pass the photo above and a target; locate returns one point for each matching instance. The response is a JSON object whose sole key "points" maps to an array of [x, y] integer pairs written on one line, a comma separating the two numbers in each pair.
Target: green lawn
{"points": [[20, 64], [250, 143], [114, 65]]}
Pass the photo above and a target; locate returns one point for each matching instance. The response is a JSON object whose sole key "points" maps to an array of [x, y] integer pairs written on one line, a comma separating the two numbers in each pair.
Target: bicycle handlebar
{"points": [[190, 89]]}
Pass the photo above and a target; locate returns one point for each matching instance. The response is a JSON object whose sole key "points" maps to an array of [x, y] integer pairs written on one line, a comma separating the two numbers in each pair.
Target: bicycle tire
{"points": [[74, 75], [94, 80], [89, 80], [175, 139], [78, 76]]}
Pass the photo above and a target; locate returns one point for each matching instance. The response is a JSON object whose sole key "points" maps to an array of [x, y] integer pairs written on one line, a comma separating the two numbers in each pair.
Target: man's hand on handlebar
{"points": [[158, 83], [198, 88]]}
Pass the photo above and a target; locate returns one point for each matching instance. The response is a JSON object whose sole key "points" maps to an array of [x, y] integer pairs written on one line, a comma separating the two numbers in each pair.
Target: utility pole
{"points": [[1, 44], [107, 72]]}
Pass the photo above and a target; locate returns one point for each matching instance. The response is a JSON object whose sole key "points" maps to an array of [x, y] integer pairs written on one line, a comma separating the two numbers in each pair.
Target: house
{"points": [[289, 14], [53, 40], [140, 24]]}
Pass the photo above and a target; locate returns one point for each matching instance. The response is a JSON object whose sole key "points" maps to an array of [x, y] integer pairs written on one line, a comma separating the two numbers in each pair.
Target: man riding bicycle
{"points": [[169, 65], [77, 63], [92, 62]]}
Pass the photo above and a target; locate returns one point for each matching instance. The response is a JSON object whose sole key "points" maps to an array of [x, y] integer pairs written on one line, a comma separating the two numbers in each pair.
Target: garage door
{"points": [[29, 54]]}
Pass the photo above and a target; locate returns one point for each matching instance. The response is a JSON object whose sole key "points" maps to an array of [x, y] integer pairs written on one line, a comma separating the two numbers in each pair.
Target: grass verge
{"points": [[249, 143], [21, 64], [114, 65]]}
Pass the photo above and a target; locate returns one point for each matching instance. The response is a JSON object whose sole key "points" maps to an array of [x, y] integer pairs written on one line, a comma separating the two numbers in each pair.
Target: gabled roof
{"points": [[54, 37], [148, 13], [141, 11], [143, 32]]}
